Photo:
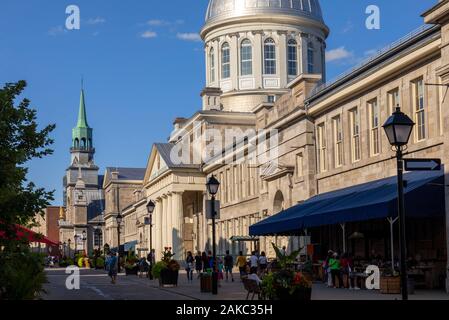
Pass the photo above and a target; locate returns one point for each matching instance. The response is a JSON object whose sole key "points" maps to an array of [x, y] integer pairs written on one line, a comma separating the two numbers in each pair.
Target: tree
{"points": [[21, 140]]}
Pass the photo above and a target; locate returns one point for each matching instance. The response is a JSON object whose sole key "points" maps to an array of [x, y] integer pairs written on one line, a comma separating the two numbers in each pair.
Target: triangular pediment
{"points": [[156, 165], [273, 170]]}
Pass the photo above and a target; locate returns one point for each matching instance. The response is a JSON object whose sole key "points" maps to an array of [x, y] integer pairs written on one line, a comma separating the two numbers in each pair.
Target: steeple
{"points": [[82, 117], [82, 133]]}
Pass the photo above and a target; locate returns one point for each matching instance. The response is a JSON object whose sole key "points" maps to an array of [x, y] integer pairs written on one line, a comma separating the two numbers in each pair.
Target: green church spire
{"points": [[82, 133], [82, 117]]}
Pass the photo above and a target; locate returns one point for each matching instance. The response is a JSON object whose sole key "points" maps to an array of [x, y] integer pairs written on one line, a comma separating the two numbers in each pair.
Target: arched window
{"points": [[310, 58], [212, 64], [246, 55], [225, 61], [292, 58], [77, 143], [83, 143], [269, 57]]}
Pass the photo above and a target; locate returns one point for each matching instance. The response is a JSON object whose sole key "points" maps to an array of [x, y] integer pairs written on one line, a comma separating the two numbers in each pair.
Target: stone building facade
{"points": [[330, 134]]}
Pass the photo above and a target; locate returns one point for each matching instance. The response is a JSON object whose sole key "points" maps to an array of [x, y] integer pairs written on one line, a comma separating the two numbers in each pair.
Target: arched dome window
{"points": [[212, 64], [246, 56], [77, 143], [310, 58], [269, 56], [292, 58], [225, 61]]}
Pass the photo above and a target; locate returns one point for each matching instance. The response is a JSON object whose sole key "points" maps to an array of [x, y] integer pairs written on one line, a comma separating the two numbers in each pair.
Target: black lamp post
{"points": [[398, 129], [76, 245], [212, 187], [70, 244], [150, 210], [64, 245], [119, 219], [84, 238]]}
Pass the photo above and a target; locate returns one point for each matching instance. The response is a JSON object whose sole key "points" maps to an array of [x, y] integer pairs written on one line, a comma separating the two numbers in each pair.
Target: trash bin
{"points": [[206, 282]]}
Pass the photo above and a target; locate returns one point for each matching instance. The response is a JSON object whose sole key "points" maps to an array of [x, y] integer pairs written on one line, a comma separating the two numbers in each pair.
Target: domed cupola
{"points": [[255, 48]]}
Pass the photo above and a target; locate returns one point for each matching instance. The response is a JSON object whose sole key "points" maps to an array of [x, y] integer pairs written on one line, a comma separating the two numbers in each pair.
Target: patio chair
{"points": [[251, 286]]}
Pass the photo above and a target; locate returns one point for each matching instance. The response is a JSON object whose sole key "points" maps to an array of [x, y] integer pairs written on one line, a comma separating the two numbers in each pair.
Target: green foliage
{"points": [[22, 275], [285, 260], [157, 268], [20, 142], [99, 263]]}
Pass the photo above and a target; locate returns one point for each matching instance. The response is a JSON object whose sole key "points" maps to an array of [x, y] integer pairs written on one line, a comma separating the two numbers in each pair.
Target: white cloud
{"points": [[56, 31], [189, 36], [338, 54], [157, 23], [97, 20], [148, 34]]}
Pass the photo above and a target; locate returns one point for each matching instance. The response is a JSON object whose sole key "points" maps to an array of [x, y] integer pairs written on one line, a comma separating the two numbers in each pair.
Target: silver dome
{"points": [[224, 9]]}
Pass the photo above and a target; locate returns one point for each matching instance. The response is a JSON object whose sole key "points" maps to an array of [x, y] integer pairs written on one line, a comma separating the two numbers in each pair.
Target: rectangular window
{"points": [[418, 104], [393, 101], [338, 142], [374, 127], [321, 145], [355, 134], [310, 59]]}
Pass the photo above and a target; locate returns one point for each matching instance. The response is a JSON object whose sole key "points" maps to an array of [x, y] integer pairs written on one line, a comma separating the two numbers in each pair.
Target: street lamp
{"points": [[84, 238], [64, 245], [119, 219], [70, 245], [150, 209], [76, 245], [212, 187], [398, 129]]}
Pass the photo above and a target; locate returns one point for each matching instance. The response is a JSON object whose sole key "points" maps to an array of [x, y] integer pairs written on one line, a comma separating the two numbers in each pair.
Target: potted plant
{"points": [[167, 270], [285, 283], [131, 267], [99, 263]]}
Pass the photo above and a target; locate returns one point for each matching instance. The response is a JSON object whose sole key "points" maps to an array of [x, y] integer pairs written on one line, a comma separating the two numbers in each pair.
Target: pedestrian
{"points": [[254, 262], [241, 264], [143, 267], [220, 267], [334, 265], [327, 271], [284, 250], [228, 264], [151, 258], [113, 267], [263, 263], [198, 263], [189, 266], [205, 261]]}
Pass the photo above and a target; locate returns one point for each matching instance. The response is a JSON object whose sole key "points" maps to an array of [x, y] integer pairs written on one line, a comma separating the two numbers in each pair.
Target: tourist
{"points": [[327, 278], [189, 266], [263, 263], [241, 263], [254, 262], [228, 264], [113, 267], [151, 258], [220, 270], [198, 263], [334, 265], [205, 261], [284, 250]]}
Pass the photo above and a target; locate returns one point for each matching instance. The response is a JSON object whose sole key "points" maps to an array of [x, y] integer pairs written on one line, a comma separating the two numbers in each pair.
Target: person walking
{"points": [[228, 264], [151, 258], [241, 264], [263, 263], [335, 267], [113, 266], [198, 263], [220, 267], [327, 278], [254, 262], [205, 261], [190, 266]]}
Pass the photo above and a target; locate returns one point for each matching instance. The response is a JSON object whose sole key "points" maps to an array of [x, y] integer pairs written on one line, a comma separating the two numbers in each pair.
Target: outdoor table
{"points": [[359, 276]]}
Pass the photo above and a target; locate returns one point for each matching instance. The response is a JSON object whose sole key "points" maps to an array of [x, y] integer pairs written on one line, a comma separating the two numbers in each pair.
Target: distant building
{"points": [[48, 225]]}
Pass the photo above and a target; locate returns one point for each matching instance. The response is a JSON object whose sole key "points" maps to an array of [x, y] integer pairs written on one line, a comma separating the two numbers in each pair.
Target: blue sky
{"points": [[143, 66]]}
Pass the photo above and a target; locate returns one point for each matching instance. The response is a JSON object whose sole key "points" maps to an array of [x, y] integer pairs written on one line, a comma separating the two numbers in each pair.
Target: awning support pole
{"points": [[343, 228], [392, 222]]}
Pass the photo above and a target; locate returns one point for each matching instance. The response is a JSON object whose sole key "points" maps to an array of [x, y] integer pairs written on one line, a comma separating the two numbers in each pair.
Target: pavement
{"points": [[96, 285]]}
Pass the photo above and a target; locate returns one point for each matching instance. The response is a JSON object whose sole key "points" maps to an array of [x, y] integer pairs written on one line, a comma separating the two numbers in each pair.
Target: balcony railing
{"points": [[83, 149]]}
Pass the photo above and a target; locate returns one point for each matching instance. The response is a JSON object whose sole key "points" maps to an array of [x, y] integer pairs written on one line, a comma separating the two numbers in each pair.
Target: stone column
{"points": [[170, 223], [304, 45], [204, 226], [235, 66], [283, 58], [257, 59], [178, 221]]}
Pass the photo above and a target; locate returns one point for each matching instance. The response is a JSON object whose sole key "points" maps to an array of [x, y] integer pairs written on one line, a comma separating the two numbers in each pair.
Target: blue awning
{"points": [[424, 197], [130, 246]]}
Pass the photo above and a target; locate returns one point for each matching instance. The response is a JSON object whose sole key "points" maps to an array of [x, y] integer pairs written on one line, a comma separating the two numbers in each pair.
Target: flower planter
{"points": [[390, 285], [300, 294], [132, 271], [168, 278]]}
